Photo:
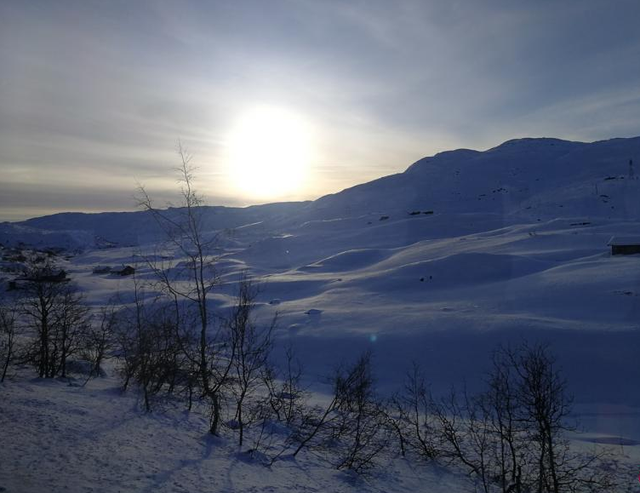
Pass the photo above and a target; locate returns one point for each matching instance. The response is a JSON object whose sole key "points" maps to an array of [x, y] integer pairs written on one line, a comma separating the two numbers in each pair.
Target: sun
{"points": [[269, 153]]}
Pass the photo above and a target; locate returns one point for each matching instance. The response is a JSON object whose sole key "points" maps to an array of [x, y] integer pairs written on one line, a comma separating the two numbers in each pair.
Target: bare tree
{"points": [[501, 403], [513, 436], [99, 340], [544, 409], [189, 282], [251, 347], [148, 343], [283, 403], [362, 428], [413, 416], [286, 398], [8, 332], [40, 307], [352, 427], [465, 437], [71, 326], [55, 312], [315, 422]]}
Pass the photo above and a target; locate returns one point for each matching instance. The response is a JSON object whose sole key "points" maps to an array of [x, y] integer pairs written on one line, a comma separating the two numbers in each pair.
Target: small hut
{"points": [[46, 276], [624, 245], [127, 271]]}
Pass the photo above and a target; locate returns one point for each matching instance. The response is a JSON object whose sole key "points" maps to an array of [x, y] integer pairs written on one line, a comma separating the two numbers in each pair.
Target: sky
{"points": [[95, 95]]}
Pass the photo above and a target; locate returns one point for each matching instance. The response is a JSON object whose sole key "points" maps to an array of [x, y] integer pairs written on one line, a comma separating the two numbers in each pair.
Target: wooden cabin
{"points": [[127, 271], [46, 276], [624, 245]]}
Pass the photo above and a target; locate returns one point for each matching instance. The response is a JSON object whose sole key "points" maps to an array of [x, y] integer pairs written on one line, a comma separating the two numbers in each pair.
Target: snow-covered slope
{"points": [[532, 178], [438, 264], [511, 240], [95, 439], [520, 180]]}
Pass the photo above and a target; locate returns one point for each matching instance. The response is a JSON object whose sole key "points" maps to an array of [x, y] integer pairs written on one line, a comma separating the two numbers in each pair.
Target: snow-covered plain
{"points": [[438, 264]]}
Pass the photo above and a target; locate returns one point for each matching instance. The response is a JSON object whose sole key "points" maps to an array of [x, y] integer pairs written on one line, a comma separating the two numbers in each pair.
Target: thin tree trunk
{"points": [[7, 361], [552, 465], [215, 413]]}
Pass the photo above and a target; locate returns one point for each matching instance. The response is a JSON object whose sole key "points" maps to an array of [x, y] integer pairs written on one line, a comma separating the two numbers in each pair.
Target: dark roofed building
{"points": [[43, 276], [47, 276], [624, 245], [127, 271]]}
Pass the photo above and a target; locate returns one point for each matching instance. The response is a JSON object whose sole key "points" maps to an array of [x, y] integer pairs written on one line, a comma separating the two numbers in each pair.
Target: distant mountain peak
{"points": [[536, 143], [521, 145]]}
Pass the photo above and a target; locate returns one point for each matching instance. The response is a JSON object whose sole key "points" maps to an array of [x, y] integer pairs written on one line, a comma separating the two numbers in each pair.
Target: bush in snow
{"points": [[351, 430], [150, 346], [411, 416]]}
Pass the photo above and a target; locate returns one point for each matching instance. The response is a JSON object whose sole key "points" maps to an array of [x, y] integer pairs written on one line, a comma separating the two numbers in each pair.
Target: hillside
{"points": [[523, 180], [439, 264]]}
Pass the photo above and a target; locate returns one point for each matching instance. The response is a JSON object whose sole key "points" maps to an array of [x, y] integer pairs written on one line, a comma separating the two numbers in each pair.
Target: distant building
{"points": [[46, 276], [43, 276], [127, 271], [624, 245], [59, 277]]}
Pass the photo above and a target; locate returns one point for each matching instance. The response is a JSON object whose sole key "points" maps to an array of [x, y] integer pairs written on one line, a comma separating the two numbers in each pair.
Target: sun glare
{"points": [[269, 153]]}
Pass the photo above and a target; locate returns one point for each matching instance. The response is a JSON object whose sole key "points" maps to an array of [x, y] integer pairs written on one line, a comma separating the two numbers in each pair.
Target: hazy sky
{"points": [[94, 95]]}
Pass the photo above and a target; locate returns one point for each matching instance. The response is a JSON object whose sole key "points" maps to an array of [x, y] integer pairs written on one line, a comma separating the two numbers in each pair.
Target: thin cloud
{"points": [[101, 91]]}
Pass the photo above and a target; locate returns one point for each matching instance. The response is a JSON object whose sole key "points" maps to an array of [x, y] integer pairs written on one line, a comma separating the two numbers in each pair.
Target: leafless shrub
{"points": [[513, 436], [361, 427], [351, 430], [411, 415], [287, 397], [149, 346], [99, 340]]}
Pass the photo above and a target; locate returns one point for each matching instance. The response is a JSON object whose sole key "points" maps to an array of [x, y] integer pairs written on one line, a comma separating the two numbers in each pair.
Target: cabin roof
{"points": [[624, 241]]}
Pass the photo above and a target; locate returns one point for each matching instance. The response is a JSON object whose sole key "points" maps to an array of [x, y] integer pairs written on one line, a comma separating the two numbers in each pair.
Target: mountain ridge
{"points": [[526, 179]]}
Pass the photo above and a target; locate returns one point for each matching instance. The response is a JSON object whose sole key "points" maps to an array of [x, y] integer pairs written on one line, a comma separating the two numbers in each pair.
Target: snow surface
{"points": [[58, 437], [516, 247]]}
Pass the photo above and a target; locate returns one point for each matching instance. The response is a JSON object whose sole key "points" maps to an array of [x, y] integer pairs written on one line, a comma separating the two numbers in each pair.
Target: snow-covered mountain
{"points": [[513, 239], [520, 180], [529, 178], [438, 264]]}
